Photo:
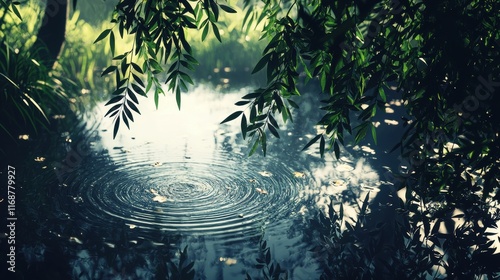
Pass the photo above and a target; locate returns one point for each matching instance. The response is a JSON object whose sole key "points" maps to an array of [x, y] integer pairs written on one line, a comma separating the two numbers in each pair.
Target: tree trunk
{"points": [[50, 37]]}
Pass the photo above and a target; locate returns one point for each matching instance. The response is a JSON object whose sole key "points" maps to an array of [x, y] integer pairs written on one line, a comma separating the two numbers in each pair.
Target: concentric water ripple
{"points": [[226, 196]]}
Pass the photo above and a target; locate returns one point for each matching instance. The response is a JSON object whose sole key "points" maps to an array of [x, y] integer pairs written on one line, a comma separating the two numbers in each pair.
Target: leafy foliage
{"points": [[266, 266], [413, 246], [159, 31], [28, 93], [440, 57]]}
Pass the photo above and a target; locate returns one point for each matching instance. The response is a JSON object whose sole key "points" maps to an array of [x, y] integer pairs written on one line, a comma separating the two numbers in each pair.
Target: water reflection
{"points": [[180, 178]]}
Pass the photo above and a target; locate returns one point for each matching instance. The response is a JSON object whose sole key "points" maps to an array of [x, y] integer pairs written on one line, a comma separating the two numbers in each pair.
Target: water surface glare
{"points": [[183, 172]]}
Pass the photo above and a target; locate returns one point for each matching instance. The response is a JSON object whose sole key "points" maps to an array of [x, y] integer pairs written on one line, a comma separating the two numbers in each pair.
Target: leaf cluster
{"points": [[268, 269], [159, 45]]}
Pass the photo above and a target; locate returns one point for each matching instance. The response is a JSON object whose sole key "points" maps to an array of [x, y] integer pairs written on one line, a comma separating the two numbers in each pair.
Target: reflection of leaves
{"points": [[268, 268]]}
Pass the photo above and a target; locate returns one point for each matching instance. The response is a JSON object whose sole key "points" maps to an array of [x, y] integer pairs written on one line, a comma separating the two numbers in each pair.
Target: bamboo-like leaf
{"points": [[125, 120], [216, 32], [205, 32], [16, 11], [117, 125], [254, 147], [381, 93], [244, 126], [138, 90], [114, 100], [178, 97], [232, 116], [336, 149], [374, 134], [127, 112], [273, 130], [262, 63], [112, 43], [133, 107], [103, 35], [314, 140], [132, 96], [113, 109], [109, 70], [241, 103], [263, 141], [322, 146], [227, 9]]}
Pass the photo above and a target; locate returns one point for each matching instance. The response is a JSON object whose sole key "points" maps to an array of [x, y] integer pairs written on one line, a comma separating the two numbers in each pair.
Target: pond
{"points": [[117, 208]]}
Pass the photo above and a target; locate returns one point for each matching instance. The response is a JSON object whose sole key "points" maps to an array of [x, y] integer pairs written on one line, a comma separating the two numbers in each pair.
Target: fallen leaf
{"points": [[266, 173], [299, 174], [261, 191], [160, 198]]}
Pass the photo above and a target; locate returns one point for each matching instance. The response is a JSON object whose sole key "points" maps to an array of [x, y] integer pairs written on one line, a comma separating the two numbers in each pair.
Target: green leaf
{"points": [[109, 70], [112, 43], [113, 110], [244, 126], [138, 90], [262, 62], [133, 107], [103, 35], [114, 100], [336, 149], [314, 140], [178, 97], [381, 93], [215, 9], [16, 11], [241, 103], [254, 147], [117, 125], [273, 130], [125, 120], [232, 116], [374, 134], [322, 146], [227, 9], [216, 32], [205, 32]]}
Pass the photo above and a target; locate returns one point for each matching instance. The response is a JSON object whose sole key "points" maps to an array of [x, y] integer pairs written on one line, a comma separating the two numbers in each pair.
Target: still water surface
{"points": [[180, 178]]}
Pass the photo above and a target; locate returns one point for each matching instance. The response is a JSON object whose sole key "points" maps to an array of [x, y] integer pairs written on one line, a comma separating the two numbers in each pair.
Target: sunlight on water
{"points": [[183, 173]]}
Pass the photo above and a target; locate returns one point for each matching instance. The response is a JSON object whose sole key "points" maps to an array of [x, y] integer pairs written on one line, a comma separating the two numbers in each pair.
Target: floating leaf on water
{"points": [[24, 137], [160, 198], [337, 183], [39, 159], [299, 174], [266, 173], [261, 191], [156, 164], [344, 167], [228, 261], [252, 180], [75, 239]]}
